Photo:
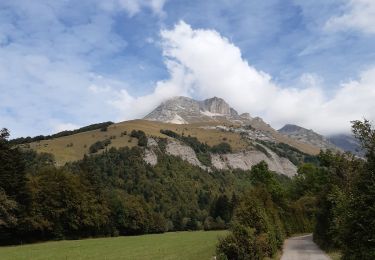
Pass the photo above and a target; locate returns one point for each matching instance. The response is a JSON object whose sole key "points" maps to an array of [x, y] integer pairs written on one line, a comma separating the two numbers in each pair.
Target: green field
{"points": [[173, 245]]}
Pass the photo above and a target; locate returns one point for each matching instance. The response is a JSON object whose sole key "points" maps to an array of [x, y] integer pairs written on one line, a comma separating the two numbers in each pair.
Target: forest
{"points": [[116, 193]]}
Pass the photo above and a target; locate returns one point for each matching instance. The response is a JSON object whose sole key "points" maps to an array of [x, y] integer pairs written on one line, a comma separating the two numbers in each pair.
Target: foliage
{"points": [[63, 206], [99, 145], [359, 225], [264, 216], [141, 136], [8, 208], [221, 148], [240, 244]]}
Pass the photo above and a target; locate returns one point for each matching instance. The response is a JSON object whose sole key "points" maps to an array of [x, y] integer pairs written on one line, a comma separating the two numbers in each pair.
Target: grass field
{"points": [[174, 245]]}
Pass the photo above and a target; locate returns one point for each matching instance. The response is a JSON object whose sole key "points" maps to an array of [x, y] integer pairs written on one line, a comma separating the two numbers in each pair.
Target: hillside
{"points": [[307, 136], [211, 121], [347, 143], [245, 148]]}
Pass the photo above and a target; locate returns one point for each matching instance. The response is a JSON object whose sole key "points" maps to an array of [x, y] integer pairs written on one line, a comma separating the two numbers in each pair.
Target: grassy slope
{"points": [[174, 245], [82, 141]]}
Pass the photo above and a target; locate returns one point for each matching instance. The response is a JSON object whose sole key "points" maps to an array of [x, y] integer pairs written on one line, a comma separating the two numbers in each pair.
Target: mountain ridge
{"points": [[308, 136]]}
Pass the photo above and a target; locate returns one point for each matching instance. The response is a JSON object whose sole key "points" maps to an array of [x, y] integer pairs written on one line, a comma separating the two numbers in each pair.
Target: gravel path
{"points": [[302, 248]]}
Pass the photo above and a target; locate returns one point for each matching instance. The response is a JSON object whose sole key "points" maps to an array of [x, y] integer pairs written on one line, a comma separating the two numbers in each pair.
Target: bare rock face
{"points": [[246, 160], [185, 152], [178, 110], [242, 160], [151, 142], [150, 157], [217, 106]]}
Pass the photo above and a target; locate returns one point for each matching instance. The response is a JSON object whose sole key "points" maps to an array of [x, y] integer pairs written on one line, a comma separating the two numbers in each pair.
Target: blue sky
{"points": [[66, 64]]}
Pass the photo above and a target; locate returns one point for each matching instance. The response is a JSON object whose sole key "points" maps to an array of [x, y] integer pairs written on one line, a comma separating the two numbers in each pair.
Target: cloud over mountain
{"points": [[202, 64]]}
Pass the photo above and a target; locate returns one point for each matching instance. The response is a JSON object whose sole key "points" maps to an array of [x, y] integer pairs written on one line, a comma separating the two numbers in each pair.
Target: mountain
{"points": [[307, 136], [209, 134], [347, 143], [184, 110]]}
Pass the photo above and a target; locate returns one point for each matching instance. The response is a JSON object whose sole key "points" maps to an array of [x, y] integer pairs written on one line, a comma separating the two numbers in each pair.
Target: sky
{"points": [[66, 64]]}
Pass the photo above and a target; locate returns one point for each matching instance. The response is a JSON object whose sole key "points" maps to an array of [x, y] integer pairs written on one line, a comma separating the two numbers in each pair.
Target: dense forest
{"points": [[116, 193]]}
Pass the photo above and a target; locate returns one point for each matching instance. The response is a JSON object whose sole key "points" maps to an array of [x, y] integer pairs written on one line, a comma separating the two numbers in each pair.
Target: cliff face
{"points": [[217, 106], [239, 160]]}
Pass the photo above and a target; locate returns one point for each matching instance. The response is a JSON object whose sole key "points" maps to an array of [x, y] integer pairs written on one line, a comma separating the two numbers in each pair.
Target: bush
{"points": [[99, 145], [221, 148], [240, 244], [141, 136]]}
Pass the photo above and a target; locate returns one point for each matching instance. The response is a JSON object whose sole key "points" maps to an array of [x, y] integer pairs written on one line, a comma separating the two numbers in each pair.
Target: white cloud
{"points": [[47, 75], [203, 64], [358, 15], [65, 126]]}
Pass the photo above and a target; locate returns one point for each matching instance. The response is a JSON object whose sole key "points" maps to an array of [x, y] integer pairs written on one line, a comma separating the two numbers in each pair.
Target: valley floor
{"points": [[173, 245]]}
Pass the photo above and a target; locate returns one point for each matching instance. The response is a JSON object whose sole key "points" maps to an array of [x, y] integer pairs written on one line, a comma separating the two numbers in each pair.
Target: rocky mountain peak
{"points": [[184, 110], [218, 106]]}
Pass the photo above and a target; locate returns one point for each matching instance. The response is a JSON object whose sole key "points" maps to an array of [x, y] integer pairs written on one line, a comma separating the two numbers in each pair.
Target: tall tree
{"points": [[359, 236], [12, 170]]}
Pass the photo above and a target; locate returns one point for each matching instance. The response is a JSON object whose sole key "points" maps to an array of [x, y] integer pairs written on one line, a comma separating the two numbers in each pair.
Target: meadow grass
{"points": [[173, 245]]}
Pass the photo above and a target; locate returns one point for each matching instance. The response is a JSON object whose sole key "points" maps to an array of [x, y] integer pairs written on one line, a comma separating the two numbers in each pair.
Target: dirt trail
{"points": [[302, 248]]}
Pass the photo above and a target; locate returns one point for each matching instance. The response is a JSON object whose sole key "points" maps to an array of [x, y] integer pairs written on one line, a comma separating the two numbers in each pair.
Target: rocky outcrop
{"points": [[151, 142], [242, 160], [245, 160], [150, 157], [185, 152], [178, 110], [217, 106]]}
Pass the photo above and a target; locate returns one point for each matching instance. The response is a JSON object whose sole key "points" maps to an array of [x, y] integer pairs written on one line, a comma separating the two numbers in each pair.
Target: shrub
{"points": [[221, 148], [99, 145], [141, 136]]}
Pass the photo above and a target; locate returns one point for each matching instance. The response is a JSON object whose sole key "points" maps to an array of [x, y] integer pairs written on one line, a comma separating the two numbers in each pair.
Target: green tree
{"points": [[359, 236], [12, 170], [63, 206]]}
